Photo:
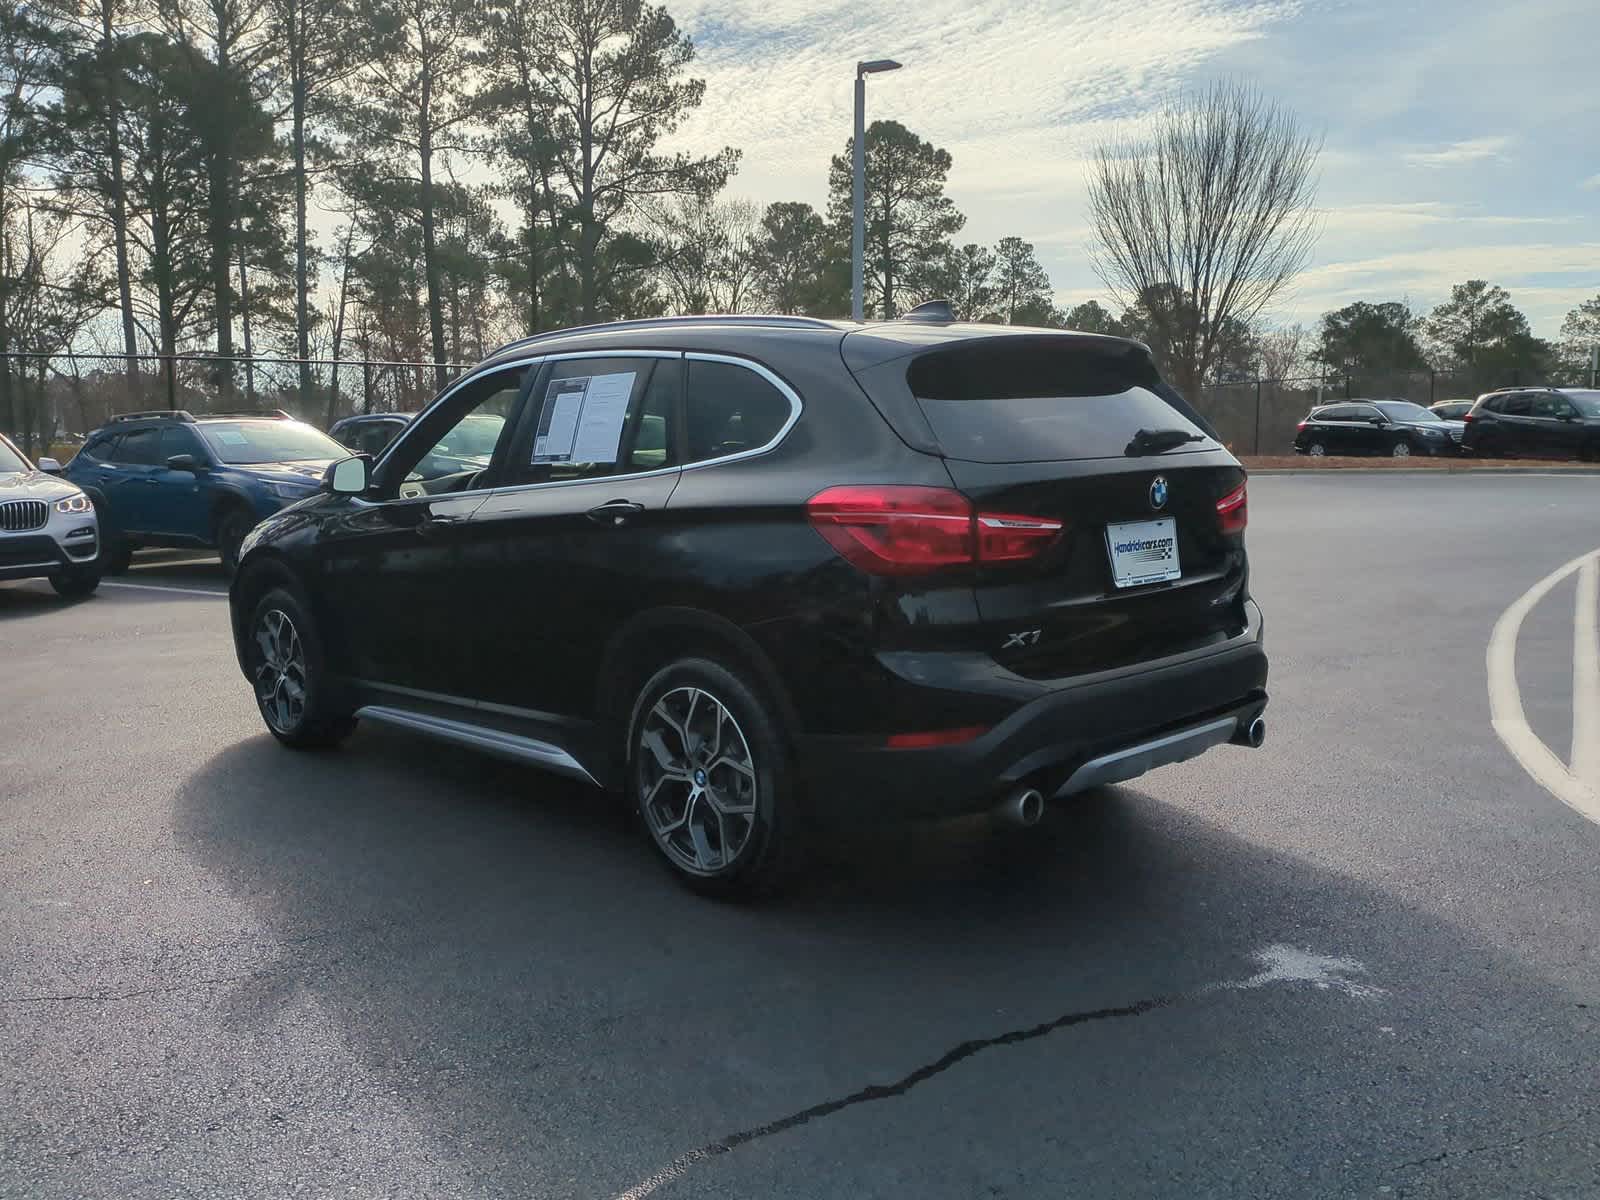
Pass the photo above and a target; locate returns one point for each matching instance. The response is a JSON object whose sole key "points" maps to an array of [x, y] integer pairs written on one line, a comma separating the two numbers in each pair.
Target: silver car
{"points": [[48, 527]]}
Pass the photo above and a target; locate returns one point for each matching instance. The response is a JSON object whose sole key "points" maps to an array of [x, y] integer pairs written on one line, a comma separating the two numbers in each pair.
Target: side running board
{"points": [[478, 737]]}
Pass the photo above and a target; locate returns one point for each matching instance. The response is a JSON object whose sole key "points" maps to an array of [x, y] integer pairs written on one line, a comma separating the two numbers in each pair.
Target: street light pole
{"points": [[858, 241]]}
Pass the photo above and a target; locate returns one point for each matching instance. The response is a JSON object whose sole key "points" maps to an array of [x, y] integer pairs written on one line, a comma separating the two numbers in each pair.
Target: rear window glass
{"points": [[1039, 403]]}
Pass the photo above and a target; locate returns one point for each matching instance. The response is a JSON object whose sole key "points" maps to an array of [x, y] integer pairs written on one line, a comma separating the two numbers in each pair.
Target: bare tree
{"points": [[707, 253], [1204, 217], [1284, 352]]}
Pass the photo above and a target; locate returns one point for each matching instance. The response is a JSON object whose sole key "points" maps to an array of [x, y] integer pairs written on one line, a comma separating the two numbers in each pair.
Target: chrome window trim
{"points": [[796, 408]]}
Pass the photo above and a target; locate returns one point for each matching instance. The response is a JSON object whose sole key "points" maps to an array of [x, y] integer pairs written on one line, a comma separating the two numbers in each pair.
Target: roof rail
{"points": [[269, 414], [171, 414], [777, 321]]}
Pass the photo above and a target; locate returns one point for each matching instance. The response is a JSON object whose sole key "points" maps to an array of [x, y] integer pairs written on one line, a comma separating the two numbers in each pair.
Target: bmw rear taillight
{"points": [[904, 530], [1300, 427], [1233, 511], [1466, 418]]}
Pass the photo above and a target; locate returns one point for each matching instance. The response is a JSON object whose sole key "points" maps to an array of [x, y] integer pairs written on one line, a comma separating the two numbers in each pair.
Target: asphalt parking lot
{"points": [[1362, 961]]}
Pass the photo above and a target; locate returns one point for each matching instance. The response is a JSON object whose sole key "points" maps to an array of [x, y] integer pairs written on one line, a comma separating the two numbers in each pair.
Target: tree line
{"points": [[413, 182]]}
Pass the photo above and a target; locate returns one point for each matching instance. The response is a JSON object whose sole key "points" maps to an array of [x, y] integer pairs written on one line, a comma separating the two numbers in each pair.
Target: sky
{"points": [[1461, 138]]}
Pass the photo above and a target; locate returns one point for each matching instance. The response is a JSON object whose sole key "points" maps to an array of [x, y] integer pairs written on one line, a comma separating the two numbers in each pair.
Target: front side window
{"points": [[141, 448], [243, 443], [730, 409], [455, 444], [1551, 406], [179, 439], [1587, 402]]}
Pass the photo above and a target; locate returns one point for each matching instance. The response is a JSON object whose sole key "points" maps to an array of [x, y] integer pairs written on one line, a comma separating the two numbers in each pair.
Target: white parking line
{"points": [[160, 587], [1586, 677], [1575, 787]]}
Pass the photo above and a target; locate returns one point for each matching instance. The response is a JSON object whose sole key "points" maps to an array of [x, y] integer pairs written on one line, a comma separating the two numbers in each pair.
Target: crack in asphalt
{"points": [[1279, 964], [114, 997], [886, 1091], [1440, 1157]]}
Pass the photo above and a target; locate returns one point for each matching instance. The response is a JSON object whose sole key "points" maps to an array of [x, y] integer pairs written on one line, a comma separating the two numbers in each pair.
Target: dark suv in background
{"points": [[753, 571], [1394, 428], [170, 478], [1536, 423]]}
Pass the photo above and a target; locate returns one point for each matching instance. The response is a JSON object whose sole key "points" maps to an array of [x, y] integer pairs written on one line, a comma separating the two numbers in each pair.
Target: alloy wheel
{"points": [[1318, 450], [697, 781], [280, 675], [1401, 450]]}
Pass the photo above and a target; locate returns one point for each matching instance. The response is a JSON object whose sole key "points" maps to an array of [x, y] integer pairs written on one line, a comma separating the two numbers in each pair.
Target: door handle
{"points": [[615, 512]]}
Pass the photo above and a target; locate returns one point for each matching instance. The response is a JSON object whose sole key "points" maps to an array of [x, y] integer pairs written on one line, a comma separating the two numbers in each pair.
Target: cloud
{"points": [[1460, 154], [1409, 217], [1591, 184]]}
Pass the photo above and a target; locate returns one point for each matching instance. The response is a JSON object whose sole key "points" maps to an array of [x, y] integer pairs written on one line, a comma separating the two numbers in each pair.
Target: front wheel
{"points": [[1401, 450], [235, 525], [708, 772], [75, 585], [284, 660]]}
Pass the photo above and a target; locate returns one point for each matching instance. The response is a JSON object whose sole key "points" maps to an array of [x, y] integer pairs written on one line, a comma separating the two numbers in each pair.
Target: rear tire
{"points": [[116, 556], [75, 585], [1316, 450], [232, 529], [710, 777], [288, 671]]}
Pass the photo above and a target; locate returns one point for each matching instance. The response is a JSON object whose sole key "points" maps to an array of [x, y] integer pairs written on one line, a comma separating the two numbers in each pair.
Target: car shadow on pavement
{"points": [[502, 950]]}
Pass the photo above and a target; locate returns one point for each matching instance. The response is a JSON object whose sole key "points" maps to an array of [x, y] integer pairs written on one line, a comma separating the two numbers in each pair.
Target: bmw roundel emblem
{"points": [[1158, 492]]}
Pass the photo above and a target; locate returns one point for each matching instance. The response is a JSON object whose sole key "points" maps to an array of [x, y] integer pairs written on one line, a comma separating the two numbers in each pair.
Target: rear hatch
{"points": [[1084, 432]]}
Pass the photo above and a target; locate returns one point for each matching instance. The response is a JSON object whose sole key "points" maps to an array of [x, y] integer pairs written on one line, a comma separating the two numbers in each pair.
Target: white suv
{"points": [[47, 526]]}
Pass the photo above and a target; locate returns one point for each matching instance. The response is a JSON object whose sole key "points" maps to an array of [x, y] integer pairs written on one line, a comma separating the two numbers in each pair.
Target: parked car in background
{"points": [[369, 433], [1396, 428], [1536, 423], [753, 571], [48, 526], [170, 478], [1451, 410]]}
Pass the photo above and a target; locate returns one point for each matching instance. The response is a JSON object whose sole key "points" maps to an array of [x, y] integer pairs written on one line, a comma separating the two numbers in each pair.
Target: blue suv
{"points": [[173, 479]]}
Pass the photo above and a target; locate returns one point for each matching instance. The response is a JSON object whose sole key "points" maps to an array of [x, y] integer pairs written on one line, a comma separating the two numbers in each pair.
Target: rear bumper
{"points": [[1096, 731]]}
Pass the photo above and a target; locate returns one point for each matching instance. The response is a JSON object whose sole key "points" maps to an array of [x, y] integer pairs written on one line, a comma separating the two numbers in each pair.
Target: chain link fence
{"points": [[1258, 416], [53, 400]]}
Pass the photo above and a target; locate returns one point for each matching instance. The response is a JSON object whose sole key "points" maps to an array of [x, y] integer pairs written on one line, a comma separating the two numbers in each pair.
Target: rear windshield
{"points": [[1041, 402]]}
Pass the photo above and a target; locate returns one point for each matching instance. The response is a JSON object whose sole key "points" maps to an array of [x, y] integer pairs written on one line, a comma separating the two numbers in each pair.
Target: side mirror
{"points": [[183, 462], [49, 466], [349, 476]]}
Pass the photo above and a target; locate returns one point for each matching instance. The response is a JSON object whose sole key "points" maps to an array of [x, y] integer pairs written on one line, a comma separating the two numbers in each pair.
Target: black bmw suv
{"points": [[754, 571]]}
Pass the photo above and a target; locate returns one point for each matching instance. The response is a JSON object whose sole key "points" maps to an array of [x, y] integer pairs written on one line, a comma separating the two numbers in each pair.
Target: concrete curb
{"points": [[1414, 471]]}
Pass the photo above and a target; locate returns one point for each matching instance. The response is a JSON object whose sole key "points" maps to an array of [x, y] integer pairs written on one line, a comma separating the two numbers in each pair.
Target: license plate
{"points": [[1143, 551]]}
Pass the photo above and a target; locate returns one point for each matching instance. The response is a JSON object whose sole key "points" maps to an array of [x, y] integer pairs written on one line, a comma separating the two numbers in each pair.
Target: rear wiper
{"points": [[1157, 441]]}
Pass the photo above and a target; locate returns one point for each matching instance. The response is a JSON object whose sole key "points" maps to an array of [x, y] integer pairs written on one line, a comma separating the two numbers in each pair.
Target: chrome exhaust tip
{"points": [[1023, 808], [1253, 735]]}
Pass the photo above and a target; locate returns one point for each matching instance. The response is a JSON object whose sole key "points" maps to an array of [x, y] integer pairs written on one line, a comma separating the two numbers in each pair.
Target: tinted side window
{"points": [[100, 447], [1331, 414], [141, 448], [1517, 406], [1550, 405], [371, 437], [177, 440], [730, 409], [600, 417]]}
